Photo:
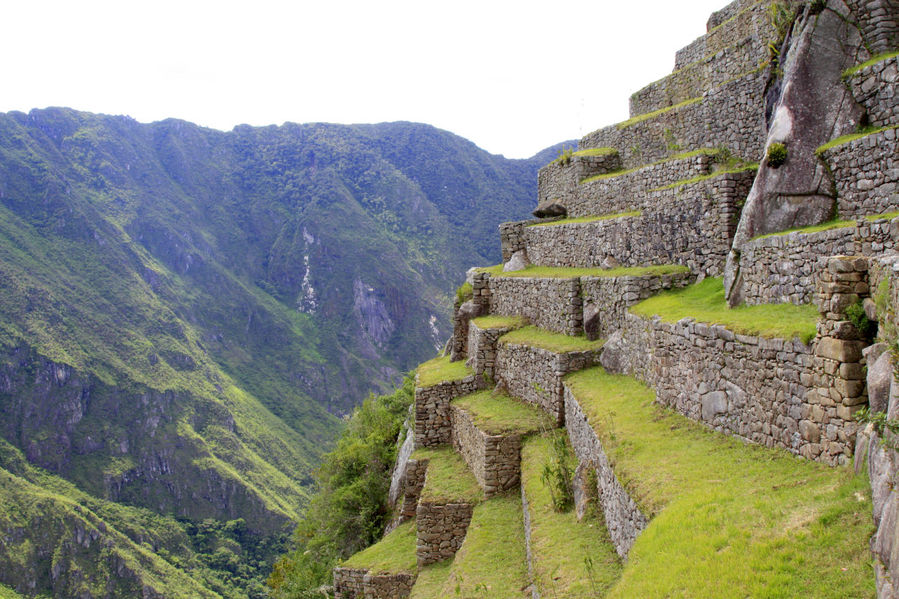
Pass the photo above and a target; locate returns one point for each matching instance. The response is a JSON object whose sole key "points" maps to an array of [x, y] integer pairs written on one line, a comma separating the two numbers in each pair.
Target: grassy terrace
{"points": [[500, 414], [879, 58], [448, 478], [588, 219], [651, 115], [491, 562], [705, 302], [441, 370], [851, 137], [729, 519], [681, 156], [833, 224], [499, 322], [560, 545], [712, 175], [554, 342], [394, 554], [564, 272]]}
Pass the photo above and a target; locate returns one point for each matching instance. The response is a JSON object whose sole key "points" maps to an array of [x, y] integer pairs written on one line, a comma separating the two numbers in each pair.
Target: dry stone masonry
{"points": [[553, 304], [441, 530], [874, 87], [433, 425], [482, 345], [495, 460], [866, 172]]}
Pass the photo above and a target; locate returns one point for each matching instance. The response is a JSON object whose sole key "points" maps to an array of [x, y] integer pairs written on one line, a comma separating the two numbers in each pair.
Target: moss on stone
{"points": [[554, 342], [723, 510], [394, 554], [448, 479], [588, 219], [441, 370], [499, 322], [705, 302], [497, 414]]}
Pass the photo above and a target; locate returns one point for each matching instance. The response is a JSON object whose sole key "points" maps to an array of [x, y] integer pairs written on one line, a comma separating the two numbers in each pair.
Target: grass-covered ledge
{"points": [[705, 302], [494, 321], [651, 115], [500, 414], [393, 554], [588, 219], [712, 175], [829, 225], [845, 139], [728, 519], [874, 60], [441, 370], [554, 342], [565, 272], [448, 479], [714, 153]]}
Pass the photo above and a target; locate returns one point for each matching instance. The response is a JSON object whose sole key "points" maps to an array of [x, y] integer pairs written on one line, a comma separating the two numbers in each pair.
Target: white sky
{"points": [[513, 77]]}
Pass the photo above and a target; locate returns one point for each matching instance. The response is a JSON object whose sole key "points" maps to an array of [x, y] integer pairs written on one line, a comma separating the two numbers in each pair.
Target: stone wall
{"points": [[559, 178], [784, 268], [729, 28], [731, 115], [624, 519], [482, 349], [348, 583], [692, 225], [752, 387], [879, 23], [495, 460], [432, 414], [628, 191], [606, 299], [387, 586], [874, 87], [478, 305], [441, 530], [412, 484], [866, 173], [551, 304], [534, 374]]}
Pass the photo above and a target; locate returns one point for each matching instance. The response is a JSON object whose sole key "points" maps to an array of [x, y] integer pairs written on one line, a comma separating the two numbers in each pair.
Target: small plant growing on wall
{"points": [[777, 155], [859, 319]]}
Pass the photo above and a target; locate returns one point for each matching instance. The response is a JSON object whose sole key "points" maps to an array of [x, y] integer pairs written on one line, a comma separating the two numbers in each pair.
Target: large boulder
{"points": [[550, 209], [880, 379], [518, 261], [813, 107]]}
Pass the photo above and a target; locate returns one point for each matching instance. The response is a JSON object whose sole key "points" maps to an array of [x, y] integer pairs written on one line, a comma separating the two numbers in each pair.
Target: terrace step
{"points": [[739, 20], [731, 115], [531, 363], [568, 556], [445, 505], [385, 570], [709, 527], [492, 561], [483, 334], [865, 169], [488, 429], [438, 382], [874, 87]]}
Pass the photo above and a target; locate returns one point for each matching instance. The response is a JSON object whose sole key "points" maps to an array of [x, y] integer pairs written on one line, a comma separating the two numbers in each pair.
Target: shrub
{"points": [[777, 155], [464, 293]]}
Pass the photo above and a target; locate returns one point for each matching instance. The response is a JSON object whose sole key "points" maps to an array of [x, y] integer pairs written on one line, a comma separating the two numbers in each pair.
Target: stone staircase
{"points": [[652, 206]]}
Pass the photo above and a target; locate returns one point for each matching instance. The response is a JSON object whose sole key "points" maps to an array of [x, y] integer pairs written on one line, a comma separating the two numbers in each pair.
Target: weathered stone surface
{"points": [[550, 209], [612, 358], [814, 107], [880, 378], [441, 530], [433, 425], [495, 460], [518, 261]]}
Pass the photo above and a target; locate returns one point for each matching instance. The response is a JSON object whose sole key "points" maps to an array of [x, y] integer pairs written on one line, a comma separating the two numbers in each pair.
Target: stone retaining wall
{"points": [[559, 179], [548, 303], [606, 299], [441, 530], [731, 115], [866, 173], [879, 23], [624, 519], [784, 268], [432, 414], [482, 349], [388, 586], [348, 583], [874, 87], [495, 460], [729, 28], [478, 305], [752, 387], [534, 374]]}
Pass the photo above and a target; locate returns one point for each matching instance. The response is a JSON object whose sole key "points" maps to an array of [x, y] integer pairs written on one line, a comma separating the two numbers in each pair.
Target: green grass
{"points": [[499, 322], [394, 554], [885, 215], [491, 562], [441, 370], [448, 478], [829, 225], [879, 58], [681, 156], [729, 519], [651, 115], [701, 178], [8, 593], [564, 272], [851, 137], [555, 342], [500, 414], [588, 219], [560, 545], [705, 302]]}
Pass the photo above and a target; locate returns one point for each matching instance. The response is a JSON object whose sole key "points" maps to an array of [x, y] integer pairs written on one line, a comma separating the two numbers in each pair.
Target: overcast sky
{"points": [[513, 77]]}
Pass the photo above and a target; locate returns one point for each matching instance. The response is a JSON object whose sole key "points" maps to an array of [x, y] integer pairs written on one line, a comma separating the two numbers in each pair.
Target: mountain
{"points": [[184, 315]]}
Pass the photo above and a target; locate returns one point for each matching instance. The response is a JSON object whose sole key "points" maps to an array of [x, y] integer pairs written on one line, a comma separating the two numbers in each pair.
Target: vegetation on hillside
{"points": [[349, 509]]}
